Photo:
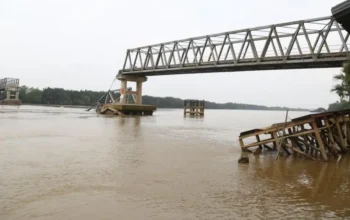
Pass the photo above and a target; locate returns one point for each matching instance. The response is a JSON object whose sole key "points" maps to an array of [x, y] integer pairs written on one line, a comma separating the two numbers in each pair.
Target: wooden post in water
{"points": [[319, 141], [279, 146]]}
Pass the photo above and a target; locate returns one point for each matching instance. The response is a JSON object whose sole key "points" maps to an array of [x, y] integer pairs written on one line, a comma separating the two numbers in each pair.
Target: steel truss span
{"points": [[314, 43]]}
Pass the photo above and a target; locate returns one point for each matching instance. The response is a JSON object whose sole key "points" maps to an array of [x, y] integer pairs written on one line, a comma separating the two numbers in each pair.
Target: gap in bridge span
{"points": [[290, 88]]}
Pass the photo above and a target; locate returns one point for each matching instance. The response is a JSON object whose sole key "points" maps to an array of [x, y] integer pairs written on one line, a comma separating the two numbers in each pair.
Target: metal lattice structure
{"points": [[9, 83], [314, 43]]}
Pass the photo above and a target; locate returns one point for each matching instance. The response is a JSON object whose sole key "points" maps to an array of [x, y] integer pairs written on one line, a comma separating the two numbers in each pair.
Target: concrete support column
{"points": [[17, 95], [8, 94], [139, 92], [123, 91], [124, 79]]}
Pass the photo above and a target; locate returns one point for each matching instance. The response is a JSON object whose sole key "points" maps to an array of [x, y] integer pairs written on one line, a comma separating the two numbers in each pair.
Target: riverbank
{"points": [[58, 106]]}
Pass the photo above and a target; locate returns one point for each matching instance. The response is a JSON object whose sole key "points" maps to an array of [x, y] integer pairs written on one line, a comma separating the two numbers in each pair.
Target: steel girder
{"points": [[314, 43]]}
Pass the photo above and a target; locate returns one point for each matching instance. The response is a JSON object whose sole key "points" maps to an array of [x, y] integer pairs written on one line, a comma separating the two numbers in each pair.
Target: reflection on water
{"points": [[61, 163]]}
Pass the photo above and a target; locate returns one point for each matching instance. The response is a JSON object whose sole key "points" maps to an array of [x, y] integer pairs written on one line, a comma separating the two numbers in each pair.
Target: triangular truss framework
{"points": [[314, 42]]}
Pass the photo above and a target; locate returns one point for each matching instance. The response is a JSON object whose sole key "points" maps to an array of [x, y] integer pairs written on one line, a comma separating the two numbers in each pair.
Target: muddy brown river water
{"points": [[65, 163]]}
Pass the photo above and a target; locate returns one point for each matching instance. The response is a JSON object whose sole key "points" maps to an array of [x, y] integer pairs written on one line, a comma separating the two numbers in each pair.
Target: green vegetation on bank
{"points": [[342, 88], [58, 96], [342, 105], [170, 102]]}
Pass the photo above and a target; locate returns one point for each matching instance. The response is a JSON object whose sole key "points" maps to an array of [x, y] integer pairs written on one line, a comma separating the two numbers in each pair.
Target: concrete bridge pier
{"points": [[122, 107], [124, 84]]}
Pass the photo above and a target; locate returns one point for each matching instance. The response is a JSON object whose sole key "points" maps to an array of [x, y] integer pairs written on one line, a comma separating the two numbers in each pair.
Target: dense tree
{"points": [[343, 87], [342, 105], [30, 95], [58, 96], [170, 102]]}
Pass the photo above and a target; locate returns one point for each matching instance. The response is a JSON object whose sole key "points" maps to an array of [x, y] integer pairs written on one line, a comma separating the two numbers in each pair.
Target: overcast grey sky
{"points": [[80, 44]]}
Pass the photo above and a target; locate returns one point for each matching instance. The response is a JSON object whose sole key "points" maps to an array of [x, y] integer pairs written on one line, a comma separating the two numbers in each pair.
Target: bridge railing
{"points": [[305, 40]]}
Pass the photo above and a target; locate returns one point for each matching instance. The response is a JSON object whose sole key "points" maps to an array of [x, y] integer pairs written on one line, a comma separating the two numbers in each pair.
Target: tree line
{"points": [[59, 96]]}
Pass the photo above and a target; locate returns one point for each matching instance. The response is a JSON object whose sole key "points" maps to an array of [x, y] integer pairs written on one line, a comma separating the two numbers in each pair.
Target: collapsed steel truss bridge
{"points": [[314, 43]]}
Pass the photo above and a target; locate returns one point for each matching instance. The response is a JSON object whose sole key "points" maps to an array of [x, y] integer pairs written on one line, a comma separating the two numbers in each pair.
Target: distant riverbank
{"points": [[58, 97], [58, 106], [87, 107]]}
